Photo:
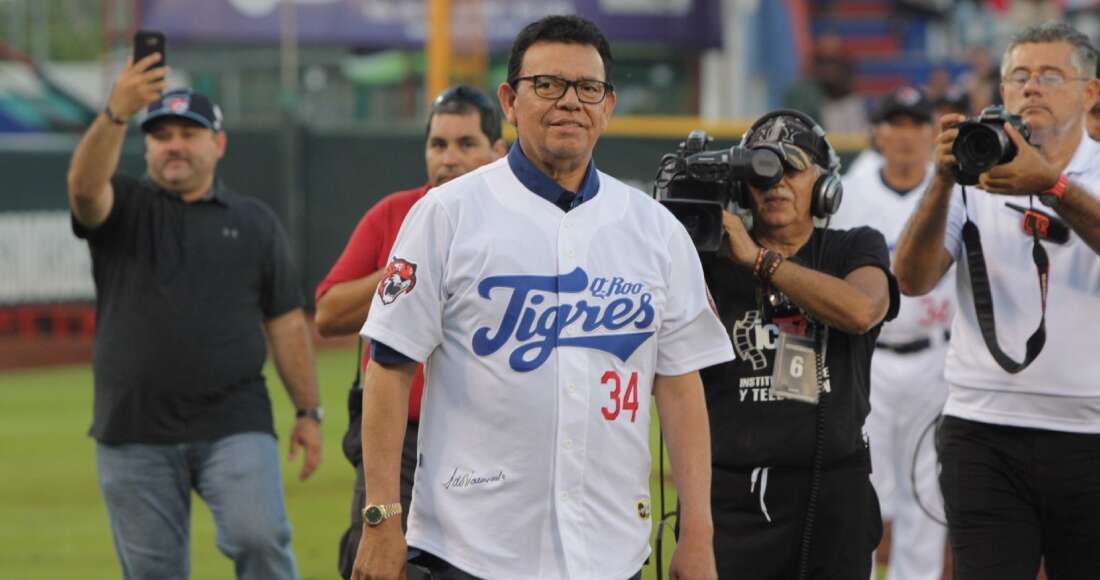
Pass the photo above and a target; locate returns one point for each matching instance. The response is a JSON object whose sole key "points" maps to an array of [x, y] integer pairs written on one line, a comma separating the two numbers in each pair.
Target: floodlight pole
{"points": [[295, 202], [439, 48]]}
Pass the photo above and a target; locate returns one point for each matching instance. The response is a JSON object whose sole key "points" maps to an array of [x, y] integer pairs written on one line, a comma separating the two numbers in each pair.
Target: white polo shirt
{"points": [[1061, 389]]}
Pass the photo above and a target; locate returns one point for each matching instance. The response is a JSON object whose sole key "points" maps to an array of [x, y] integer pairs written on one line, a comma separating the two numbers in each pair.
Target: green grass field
{"points": [[53, 524]]}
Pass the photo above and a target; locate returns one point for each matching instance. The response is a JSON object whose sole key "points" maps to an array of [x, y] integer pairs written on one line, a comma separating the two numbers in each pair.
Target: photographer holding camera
{"points": [[791, 495], [1020, 442]]}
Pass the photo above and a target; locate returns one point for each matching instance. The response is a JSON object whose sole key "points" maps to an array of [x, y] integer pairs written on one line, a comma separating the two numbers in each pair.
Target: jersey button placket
{"points": [[570, 449], [571, 463], [567, 252], [573, 413]]}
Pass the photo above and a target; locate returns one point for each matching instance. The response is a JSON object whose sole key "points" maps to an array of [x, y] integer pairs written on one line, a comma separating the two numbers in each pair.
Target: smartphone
{"points": [[147, 42]]}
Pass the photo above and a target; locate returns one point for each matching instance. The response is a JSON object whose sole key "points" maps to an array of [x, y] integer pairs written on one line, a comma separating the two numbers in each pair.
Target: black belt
{"points": [[911, 347]]}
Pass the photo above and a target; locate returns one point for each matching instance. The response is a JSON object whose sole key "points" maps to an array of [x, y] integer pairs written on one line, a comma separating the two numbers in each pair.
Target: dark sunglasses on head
{"points": [[791, 156]]}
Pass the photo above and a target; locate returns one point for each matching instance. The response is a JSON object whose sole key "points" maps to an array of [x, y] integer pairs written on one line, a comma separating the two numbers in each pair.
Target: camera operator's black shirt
{"points": [[748, 428], [183, 290]]}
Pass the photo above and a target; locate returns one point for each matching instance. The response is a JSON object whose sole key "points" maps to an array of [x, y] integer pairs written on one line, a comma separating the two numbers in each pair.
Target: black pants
{"points": [[1014, 495], [353, 450], [427, 566], [847, 524]]}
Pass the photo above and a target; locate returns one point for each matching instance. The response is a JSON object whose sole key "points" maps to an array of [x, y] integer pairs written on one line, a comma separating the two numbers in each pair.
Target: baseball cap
{"points": [[904, 101], [955, 99], [186, 104]]}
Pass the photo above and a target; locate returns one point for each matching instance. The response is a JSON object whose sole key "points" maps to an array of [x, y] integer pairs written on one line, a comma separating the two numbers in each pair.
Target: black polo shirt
{"points": [[182, 292]]}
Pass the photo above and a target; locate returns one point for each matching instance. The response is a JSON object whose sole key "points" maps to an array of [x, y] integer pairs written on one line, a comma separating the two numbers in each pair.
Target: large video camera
{"points": [[696, 184], [982, 143]]}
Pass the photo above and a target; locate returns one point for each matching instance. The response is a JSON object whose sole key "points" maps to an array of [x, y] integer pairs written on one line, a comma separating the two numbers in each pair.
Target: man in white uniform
{"points": [[549, 301], [1020, 443], [907, 384]]}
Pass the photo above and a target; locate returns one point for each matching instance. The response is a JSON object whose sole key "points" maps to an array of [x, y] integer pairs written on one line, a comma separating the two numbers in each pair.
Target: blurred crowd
{"points": [[963, 42]]}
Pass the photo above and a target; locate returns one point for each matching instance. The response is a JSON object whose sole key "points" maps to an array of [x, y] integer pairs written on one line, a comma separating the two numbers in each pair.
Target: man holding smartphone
{"points": [[190, 277]]}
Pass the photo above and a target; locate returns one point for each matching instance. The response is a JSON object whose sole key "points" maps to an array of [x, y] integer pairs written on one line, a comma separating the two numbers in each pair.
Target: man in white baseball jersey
{"points": [[1020, 443], [907, 384], [549, 301]]}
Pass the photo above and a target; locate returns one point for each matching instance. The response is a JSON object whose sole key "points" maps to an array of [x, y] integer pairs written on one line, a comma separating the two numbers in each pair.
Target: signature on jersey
{"points": [[540, 327], [464, 479]]}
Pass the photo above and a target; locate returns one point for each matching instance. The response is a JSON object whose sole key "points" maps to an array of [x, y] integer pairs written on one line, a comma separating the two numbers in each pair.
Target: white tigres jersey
{"points": [[870, 202], [868, 160], [1061, 389], [541, 332]]}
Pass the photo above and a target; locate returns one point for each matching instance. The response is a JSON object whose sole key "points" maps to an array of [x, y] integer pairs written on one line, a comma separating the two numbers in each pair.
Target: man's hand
{"points": [[742, 249], [307, 435], [138, 86], [945, 158], [1028, 173], [693, 560], [382, 552]]}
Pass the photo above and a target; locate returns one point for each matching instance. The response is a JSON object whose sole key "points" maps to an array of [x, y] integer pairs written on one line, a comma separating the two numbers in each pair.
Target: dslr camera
{"points": [[696, 184], [982, 143]]}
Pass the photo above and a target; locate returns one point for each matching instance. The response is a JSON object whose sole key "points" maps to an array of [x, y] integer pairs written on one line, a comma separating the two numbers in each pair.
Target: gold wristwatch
{"points": [[374, 514]]}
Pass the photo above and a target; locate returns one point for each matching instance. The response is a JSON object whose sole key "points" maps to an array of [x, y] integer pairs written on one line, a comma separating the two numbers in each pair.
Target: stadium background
{"points": [[325, 103]]}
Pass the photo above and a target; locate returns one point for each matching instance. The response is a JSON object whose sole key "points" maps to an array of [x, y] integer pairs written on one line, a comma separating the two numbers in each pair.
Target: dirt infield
{"points": [[27, 353]]}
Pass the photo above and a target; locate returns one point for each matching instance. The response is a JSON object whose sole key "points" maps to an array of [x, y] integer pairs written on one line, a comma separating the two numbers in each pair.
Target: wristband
{"points": [[772, 259], [113, 117], [759, 262], [1053, 196], [773, 266]]}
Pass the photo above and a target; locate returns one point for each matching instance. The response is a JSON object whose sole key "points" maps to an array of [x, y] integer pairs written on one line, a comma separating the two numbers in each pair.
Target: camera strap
{"points": [[983, 296], [355, 393], [358, 382]]}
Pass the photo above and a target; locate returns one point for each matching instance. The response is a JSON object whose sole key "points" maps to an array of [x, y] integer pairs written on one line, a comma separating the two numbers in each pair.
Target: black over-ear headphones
{"points": [[827, 192]]}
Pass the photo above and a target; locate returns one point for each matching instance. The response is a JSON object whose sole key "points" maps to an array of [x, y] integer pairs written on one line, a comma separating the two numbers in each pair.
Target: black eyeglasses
{"points": [[552, 87]]}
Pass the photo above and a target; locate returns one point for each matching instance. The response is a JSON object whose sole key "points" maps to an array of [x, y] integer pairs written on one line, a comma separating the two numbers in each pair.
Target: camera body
{"points": [[697, 184], [982, 143]]}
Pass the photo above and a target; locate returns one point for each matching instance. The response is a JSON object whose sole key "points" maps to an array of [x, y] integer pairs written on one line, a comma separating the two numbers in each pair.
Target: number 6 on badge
{"points": [[795, 374], [796, 366]]}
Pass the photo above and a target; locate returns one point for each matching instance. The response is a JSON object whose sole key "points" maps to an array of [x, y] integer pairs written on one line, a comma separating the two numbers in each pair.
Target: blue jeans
{"points": [[147, 489]]}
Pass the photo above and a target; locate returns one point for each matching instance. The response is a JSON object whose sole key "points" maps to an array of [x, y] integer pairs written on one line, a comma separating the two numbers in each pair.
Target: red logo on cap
{"points": [[908, 96], [178, 104]]}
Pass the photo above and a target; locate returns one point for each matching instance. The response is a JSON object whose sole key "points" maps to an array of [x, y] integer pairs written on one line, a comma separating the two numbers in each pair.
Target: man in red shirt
{"points": [[463, 134]]}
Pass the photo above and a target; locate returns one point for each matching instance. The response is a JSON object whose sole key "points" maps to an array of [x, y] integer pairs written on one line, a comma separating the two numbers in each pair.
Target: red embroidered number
{"points": [[627, 401]]}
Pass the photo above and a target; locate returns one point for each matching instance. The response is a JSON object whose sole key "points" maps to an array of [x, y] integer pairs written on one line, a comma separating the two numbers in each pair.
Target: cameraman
{"points": [[832, 289], [1020, 452]]}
